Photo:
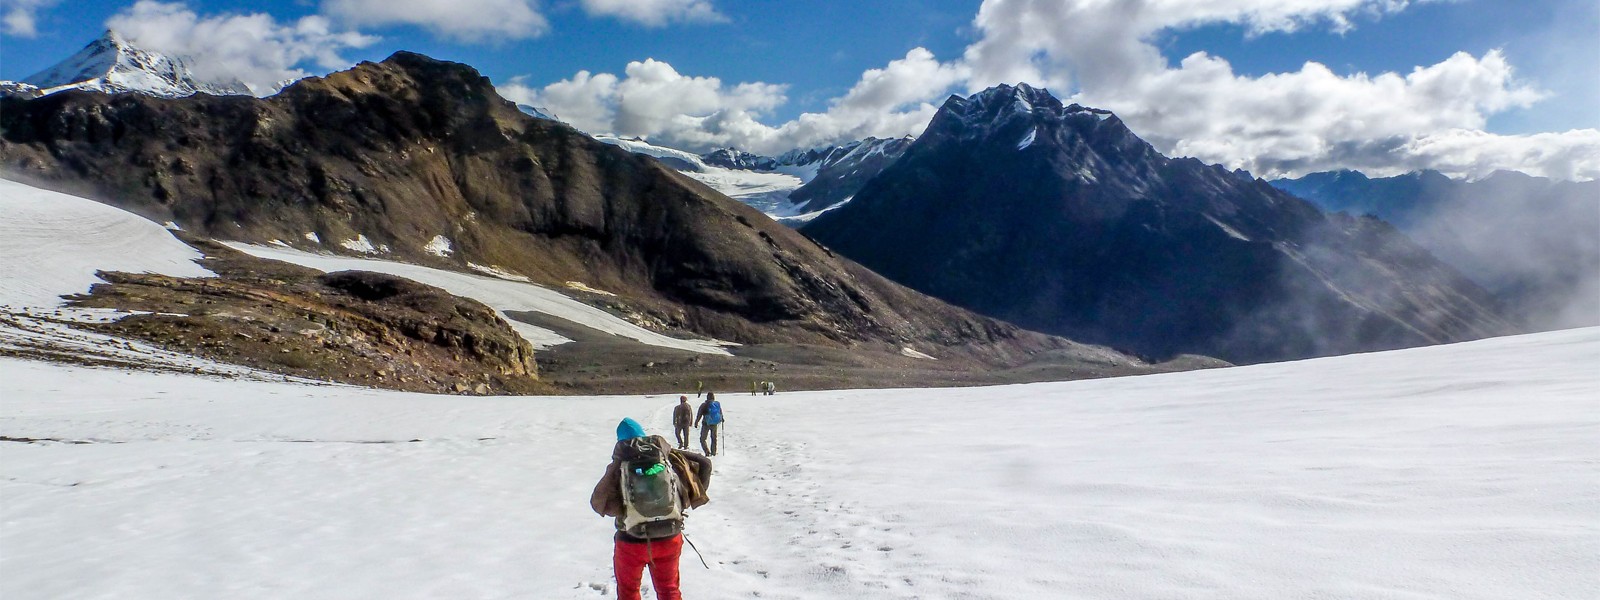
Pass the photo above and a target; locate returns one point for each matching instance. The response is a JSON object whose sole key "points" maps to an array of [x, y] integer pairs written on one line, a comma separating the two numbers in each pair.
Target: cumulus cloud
{"points": [[255, 48], [22, 17], [655, 13], [584, 101], [461, 20], [1571, 155], [653, 100], [1101, 52], [1276, 124]]}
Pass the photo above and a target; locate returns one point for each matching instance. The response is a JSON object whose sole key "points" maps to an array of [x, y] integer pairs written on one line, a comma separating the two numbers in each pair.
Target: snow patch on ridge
{"points": [[499, 294], [438, 246], [363, 245], [1233, 233]]}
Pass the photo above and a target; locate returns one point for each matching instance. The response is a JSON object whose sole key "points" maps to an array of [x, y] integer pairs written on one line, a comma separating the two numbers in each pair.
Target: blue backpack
{"points": [[714, 413]]}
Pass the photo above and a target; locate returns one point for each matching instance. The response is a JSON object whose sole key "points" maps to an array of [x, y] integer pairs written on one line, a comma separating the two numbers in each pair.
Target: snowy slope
{"points": [[767, 191], [53, 243], [52, 246], [500, 294], [112, 64], [1453, 472]]}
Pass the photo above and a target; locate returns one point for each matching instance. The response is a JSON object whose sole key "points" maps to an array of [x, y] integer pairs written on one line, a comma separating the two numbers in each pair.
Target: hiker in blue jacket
{"points": [[710, 415]]}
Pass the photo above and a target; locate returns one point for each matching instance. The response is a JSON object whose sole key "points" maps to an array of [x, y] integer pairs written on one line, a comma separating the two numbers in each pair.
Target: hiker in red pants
{"points": [[648, 486], [630, 559]]}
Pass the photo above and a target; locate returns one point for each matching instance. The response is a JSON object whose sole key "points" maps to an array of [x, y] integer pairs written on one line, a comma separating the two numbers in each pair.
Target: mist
{"points": [[1532, 242]]}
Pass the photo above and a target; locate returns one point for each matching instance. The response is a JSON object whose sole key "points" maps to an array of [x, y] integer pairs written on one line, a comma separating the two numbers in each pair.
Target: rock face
{"points": [[1060, 219], [112, 64], [352, 327], [1534, 242], [390, 157]]}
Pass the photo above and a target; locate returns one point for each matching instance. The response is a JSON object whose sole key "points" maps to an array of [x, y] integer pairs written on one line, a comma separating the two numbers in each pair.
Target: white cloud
{"points": [[255, 47], [1101, 53], [653, 100], [22, 17], [655, 13], [461, 20], [1275, 124], [585, 101], [1565, 155]]}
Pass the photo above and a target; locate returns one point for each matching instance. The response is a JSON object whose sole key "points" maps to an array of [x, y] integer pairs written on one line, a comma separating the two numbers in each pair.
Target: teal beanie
{"points": [[629, 429]]}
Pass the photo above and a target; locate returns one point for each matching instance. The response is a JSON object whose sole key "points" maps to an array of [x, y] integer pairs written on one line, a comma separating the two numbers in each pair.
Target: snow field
{"points": [[53, 243], [1462, 471], [499, 294]]}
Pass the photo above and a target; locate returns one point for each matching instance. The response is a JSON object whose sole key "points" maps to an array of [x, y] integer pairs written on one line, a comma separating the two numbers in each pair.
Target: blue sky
{"points": [[818, 50]]}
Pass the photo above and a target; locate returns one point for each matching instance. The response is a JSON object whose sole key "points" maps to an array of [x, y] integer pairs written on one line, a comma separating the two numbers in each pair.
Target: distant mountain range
{"points": [[831, 174], [1011, 204], [112, 64], [793, 187], [1535, 242], [1060, 219], [421, 160]]}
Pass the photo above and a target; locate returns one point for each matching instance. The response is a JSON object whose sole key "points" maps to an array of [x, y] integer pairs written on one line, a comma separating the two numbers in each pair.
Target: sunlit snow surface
{"points": [[53, 243], [1453, 472]]}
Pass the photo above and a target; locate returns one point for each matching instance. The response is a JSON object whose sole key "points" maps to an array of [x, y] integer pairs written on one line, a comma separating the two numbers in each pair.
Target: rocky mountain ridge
{"points": [[1059, 218], [411, 155]]}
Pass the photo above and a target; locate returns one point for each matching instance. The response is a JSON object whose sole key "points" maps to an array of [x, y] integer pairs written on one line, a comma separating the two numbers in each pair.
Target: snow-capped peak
{"points": [[734, 158], [538, 112], [112, 64]]}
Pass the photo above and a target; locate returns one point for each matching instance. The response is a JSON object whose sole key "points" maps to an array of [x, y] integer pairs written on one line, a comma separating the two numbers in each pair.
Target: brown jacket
{"points": [[682, 416], [694, 472]]}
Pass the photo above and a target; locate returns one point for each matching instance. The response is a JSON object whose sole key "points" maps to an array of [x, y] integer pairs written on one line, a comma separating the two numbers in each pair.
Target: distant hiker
{"points": [[769, 387], [647, 487], [699, 388], [710, 413], [682, 420]]}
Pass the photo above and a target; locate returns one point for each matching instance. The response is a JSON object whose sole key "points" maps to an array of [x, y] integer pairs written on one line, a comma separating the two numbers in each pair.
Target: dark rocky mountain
{"points": [[1060, 219], [1534, 242], [389, 157]]}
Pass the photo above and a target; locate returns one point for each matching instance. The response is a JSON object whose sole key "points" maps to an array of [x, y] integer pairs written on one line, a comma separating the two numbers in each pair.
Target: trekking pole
{"points": [[696, 552]]}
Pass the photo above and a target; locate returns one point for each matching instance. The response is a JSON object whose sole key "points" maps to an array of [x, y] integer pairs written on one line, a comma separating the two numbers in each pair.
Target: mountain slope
{"points": [[111, 64], [421, 160], [1535, 242], [1060, 219]]}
